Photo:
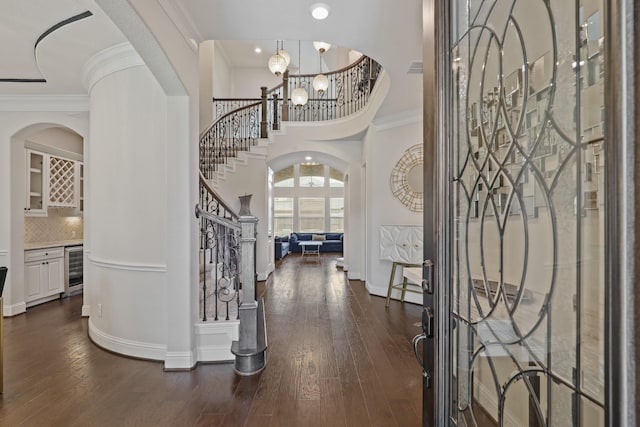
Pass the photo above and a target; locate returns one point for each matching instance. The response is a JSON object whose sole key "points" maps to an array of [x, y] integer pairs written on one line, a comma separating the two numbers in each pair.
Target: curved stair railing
{"points": [[241, 122], [348, 92], [237, 130], [219, 256]]}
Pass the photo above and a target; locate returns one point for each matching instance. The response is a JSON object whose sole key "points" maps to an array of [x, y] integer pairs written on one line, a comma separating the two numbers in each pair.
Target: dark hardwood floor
{"points": [[336, 357]]}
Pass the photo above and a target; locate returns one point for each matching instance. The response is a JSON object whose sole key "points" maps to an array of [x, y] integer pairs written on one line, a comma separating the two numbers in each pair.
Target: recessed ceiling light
{"points": [[319, 11], [308, 158], [257, 50]]}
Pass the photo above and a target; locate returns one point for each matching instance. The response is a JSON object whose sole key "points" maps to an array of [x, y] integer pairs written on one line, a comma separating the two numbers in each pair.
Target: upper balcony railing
{"points": [[240, 122]]}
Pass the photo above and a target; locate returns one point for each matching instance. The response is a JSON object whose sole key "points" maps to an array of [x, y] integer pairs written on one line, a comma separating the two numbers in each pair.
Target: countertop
{"points": [[43, 245]]}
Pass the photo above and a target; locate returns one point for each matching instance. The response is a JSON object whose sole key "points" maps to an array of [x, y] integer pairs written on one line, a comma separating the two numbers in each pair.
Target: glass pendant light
{"points": [[284, 53], [299, 96], [278, 63], [320, 82], [321, 47]]}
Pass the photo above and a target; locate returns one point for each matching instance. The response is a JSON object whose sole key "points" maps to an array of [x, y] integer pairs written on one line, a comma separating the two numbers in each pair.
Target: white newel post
{"points": [[252, 344]]}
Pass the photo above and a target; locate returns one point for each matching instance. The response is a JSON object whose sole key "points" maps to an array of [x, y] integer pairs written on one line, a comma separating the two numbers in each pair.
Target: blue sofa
{"points": [[332, 242], [282, 246]]}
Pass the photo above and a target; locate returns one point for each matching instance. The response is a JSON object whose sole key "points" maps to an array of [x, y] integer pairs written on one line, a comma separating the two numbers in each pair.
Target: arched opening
{"points": [[309, 201], [46, 159]]}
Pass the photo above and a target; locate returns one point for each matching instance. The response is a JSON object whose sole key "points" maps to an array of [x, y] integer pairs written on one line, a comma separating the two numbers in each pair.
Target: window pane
{"points": [[283, 177], [282, 215], [311, 212], [336, 208], [311, 175], [283, 226], [336, 178], [337, 224]]}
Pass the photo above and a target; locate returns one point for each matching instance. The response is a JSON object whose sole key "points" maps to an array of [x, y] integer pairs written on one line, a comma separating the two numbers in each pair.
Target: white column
{"points": [[139, 264]]}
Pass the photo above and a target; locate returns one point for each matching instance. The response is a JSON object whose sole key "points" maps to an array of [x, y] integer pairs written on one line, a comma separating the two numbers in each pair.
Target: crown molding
{"points": [[65, 103], [106, 62], [397, 120]]}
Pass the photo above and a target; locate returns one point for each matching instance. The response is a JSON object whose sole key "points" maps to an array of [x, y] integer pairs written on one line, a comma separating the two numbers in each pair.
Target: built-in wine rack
{"points": [[61, 182]]}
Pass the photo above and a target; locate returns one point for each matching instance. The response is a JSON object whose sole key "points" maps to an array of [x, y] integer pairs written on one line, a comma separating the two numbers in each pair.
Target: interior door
{"points": [[526, 264]]}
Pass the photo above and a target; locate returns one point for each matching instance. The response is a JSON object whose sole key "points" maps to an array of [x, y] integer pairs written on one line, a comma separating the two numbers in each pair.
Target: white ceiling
{"points": [[387, 30], [60, 55]]}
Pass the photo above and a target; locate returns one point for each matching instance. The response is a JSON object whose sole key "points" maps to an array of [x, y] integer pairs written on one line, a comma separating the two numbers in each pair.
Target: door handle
{"points": [[415, 341]]}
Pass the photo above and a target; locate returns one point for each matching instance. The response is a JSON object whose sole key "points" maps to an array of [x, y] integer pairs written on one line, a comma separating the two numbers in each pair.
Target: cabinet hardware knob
{"points": [[46, 253]]}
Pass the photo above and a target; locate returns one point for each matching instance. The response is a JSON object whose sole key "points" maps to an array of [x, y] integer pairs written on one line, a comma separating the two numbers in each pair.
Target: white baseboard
{"points": [[262, 276], [353, 275], [213, 340], [14, 310], [86, 310], [131, 348], [179, 360]]}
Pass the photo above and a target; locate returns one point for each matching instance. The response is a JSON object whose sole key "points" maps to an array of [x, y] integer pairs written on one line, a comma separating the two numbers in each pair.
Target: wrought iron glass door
{"points": [[528, 213]]}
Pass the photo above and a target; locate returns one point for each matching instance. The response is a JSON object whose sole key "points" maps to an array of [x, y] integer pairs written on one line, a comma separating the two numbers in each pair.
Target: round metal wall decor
{"points": [[406, 179]]}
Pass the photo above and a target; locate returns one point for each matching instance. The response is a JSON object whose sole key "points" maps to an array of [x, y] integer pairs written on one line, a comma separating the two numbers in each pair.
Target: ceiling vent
{"points": [[415, 67]]}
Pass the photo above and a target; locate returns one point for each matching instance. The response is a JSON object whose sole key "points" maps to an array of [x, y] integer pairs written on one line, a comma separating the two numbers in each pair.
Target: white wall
{"points": [[383, 148], [60, 139], [246, 82], [222, 78], [206, 65]]}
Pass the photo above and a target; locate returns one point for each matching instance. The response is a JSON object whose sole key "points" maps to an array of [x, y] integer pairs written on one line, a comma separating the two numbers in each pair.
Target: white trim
{"points": [[66, 103], [132, 348], [86, 310], [108, 61], [179, 360], [213, 340], [397, 120], [119, 265], [4, 252], [15, 309]]}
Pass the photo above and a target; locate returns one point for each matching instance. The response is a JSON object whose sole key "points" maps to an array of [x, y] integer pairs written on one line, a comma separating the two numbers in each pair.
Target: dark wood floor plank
{"points": [[336, 357]]}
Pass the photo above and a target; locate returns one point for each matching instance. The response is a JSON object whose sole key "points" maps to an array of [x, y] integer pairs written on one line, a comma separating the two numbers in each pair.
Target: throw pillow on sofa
{"points": [[318, 237]]}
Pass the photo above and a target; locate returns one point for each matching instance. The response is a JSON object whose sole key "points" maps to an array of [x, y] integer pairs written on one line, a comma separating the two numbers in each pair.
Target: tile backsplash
{"points": [[52, 228]]}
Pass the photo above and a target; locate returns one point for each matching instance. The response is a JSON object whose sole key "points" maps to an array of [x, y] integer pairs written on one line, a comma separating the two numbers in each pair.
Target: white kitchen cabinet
{"points": [[43, 275], [37, 179], [53, 181]]}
